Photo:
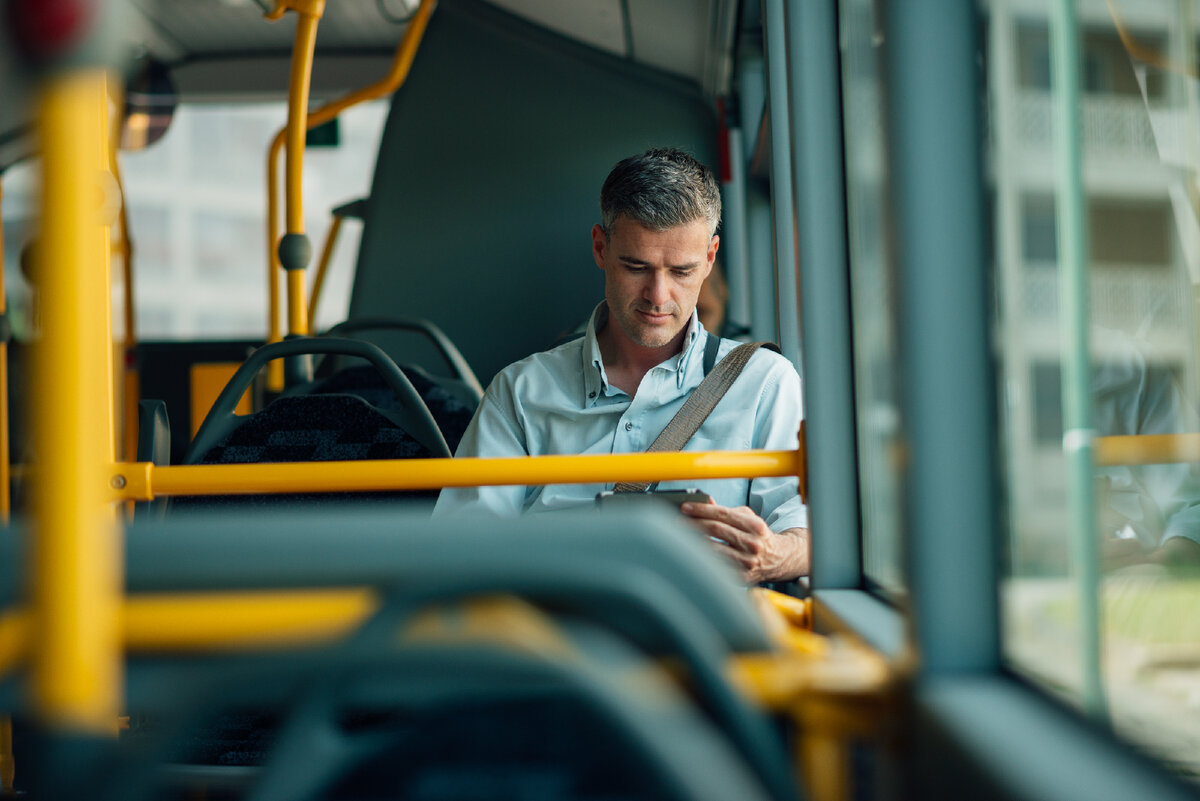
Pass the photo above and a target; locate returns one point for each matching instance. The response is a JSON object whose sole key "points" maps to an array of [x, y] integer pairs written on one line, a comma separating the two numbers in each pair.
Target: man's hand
{"points": [[1175, 552], [744, 538]]}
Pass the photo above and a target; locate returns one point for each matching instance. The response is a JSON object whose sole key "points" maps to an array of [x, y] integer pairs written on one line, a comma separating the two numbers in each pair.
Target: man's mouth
{"points": [[655, 317]]}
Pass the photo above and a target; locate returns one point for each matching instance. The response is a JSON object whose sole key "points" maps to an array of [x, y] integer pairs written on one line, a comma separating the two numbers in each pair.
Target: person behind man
{"points": [[641, 356]]}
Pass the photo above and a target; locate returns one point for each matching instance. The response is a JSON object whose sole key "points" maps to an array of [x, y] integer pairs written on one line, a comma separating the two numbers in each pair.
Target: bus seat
{"points": [[449, 410], [461, 382], [645, 577], [643, 582], [317, 427], [573, 713]]}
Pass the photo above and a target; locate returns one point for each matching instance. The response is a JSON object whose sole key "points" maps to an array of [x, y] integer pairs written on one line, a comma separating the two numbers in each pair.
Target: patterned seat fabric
{"points": [[313, 428], [451, 414]]}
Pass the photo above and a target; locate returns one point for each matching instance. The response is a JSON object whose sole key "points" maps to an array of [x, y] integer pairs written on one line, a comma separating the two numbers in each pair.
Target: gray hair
{"points": [[660, 189]]}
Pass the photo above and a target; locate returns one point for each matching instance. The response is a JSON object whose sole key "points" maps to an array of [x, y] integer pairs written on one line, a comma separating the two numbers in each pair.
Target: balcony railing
{"points": [[1123, 296], [1111, 124]]}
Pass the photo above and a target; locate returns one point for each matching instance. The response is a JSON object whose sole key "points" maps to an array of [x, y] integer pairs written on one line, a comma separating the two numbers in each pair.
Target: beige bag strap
{"points": [[697, 407]]}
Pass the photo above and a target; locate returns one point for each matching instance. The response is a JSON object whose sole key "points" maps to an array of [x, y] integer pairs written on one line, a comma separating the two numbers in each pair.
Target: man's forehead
{"points": [[628, 228]]}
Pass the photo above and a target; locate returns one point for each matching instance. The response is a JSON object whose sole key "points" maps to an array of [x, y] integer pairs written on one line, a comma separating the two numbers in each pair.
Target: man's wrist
{"points": [[790, 556]]}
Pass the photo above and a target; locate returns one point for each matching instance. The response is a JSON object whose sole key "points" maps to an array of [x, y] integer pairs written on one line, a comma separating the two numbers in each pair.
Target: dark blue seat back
{"points": [[313, 428], [450, 412]]}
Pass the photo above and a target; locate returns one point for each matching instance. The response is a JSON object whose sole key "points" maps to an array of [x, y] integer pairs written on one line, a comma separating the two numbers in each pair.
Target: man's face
{"points": [[652, 278]]}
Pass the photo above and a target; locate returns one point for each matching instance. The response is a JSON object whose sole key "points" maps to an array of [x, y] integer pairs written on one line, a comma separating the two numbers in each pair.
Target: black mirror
{"points": [[150, 101]]}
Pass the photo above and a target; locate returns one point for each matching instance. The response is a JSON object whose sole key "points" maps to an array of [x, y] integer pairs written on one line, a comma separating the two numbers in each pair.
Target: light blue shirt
{"points": [[1152, 502], [561, 402]]}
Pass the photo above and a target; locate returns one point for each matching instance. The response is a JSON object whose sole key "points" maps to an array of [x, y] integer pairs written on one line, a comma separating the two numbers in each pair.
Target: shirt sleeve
{"points": [[1173, 488], [776, 427], [494, 431]]}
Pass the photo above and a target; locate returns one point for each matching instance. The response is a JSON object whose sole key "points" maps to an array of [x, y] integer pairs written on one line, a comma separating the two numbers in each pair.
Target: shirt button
{"points": [[629, 426], [591, 394]]}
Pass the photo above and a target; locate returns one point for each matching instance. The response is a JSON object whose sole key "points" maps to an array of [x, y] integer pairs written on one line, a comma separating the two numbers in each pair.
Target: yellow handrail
{"points": [[323, 266], [131, 386], [1139, 449], [143, 481], [279, 619], [76, 575], [310, 12], [401, 63], [216, 620]]}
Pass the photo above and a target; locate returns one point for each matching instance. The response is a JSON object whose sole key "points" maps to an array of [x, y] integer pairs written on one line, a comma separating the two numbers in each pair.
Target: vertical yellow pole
{"points": [[298, 91], [274, 267], [76, 548], [130, 389]]}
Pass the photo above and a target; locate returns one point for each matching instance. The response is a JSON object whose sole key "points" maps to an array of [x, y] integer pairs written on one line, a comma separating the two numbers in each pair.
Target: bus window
{"points": [[1139, 221], [200, 256], [871, 293]]}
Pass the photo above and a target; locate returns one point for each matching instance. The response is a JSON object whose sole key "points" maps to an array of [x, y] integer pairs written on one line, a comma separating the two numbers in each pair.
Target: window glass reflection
{"points": [[1140, 121], [871, 291]]}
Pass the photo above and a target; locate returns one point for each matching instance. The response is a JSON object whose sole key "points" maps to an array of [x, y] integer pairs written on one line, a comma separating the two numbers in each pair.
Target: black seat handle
{"points": [[448, 350], [415, 417]]}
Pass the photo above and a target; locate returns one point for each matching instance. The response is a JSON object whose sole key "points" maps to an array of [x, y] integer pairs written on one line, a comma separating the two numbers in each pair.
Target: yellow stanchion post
{"points": [[130, 391], [294, 248], [76, 548], [401, 64]]}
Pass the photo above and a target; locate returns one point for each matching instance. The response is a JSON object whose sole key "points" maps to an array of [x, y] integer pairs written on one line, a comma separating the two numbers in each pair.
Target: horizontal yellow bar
{"points": [[222, 621], [143, 481], [1146, 449], [239, 619]]}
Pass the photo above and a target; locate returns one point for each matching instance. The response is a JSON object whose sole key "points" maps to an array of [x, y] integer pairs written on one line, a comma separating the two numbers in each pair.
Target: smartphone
{"points": [[672, 497]]}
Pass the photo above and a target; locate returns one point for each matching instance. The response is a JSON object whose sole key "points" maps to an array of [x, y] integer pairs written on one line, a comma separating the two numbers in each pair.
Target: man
{"points": [[615, 389], [1148, 513]]}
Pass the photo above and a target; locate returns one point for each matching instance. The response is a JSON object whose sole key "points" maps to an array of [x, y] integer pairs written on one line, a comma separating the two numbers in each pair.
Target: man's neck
{"points": [[626, 362]]}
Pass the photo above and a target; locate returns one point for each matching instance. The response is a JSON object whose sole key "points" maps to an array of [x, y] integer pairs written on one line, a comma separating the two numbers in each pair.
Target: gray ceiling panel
{"points": [[671, 35]]}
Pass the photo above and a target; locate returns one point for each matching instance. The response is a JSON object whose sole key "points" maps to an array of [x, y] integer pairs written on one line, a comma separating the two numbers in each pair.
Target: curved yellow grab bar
{"points": [[401, 63], [310, 12], [143, 481], [323, 265]]}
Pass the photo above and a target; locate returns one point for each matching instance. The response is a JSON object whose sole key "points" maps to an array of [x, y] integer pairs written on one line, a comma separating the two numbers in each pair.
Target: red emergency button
{"points": [[47, 28]]}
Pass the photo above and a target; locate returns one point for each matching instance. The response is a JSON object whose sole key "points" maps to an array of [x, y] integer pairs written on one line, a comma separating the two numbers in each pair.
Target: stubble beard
{"points": [[645, 335]]}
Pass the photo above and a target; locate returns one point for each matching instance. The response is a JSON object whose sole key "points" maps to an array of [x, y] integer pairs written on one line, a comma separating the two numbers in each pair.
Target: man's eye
{"points": [[682, 273]]}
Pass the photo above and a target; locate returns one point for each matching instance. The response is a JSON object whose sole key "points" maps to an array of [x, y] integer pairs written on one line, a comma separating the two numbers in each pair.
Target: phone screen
{"points": [[672, 497]]}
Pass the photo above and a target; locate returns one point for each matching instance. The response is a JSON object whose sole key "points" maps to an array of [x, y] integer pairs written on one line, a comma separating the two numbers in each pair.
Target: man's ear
{"points": [[713, 246], [599, 243]]}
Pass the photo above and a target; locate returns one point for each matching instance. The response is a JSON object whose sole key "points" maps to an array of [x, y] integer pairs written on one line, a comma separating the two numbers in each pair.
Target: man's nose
{"points": [[658, 289]]}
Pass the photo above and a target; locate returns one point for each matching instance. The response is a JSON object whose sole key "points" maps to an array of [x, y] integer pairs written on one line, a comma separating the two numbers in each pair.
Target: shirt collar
{"points": [[595, 380]]}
